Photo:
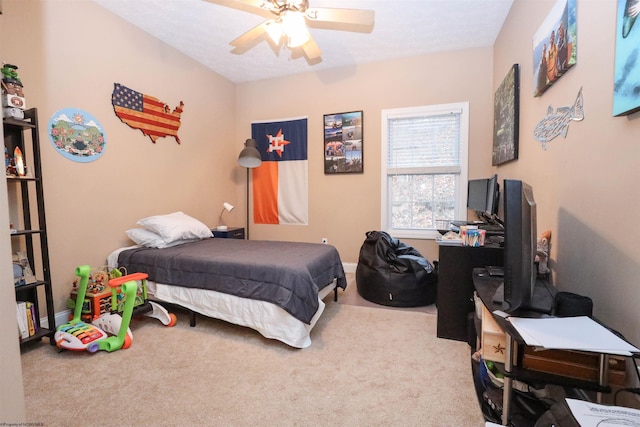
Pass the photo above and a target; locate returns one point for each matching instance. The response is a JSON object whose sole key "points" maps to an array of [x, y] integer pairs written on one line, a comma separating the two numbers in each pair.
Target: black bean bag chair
{"points": [[392, 273]]}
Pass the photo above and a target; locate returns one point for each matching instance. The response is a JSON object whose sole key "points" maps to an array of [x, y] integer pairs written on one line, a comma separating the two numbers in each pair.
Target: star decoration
{"points": [[277, 143], [499, 348]]}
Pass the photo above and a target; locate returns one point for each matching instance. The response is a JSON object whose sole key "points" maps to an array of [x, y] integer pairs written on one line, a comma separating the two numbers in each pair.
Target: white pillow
{"points": [[176, 226], [150, 239]]}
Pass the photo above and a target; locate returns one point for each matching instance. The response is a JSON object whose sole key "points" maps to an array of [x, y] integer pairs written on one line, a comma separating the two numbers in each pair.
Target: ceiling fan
{"points": [[290, 22]]}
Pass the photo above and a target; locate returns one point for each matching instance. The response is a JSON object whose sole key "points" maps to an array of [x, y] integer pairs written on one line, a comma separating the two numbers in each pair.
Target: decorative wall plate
{"points": [[77, 135]]}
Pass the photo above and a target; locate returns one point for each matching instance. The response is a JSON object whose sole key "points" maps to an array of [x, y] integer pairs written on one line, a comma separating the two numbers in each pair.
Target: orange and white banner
{"points": [[280, 183]]}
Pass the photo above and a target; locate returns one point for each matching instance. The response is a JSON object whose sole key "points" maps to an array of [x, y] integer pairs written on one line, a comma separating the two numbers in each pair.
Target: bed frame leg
{"points": [[192, 318], [335, 294]]}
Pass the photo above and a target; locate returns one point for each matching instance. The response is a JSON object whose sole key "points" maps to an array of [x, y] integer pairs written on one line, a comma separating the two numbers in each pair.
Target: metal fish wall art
{"points": [[556, 123]]}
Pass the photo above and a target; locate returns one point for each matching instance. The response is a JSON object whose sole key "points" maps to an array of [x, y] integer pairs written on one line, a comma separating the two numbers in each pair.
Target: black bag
{"points": [[558, 415], [392, 273]]}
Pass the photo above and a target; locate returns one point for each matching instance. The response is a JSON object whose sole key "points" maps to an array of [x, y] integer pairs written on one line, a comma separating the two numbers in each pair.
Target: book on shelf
{"points": [[21, 313], [27, 320], [31, 318]]}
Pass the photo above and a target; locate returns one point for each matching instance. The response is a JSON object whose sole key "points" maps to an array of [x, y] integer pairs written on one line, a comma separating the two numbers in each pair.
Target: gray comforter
{"points": [[288, 274]]}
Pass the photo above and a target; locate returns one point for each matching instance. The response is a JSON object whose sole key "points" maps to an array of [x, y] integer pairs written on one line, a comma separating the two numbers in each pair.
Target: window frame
{"points": [[460, 193]]}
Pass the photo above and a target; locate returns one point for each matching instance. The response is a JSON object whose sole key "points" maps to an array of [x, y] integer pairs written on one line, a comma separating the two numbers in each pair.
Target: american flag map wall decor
{"points": [[146, 113]]}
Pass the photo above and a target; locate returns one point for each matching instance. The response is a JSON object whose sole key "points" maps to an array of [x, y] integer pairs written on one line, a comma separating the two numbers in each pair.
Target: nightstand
{"points": [[229, 233]]}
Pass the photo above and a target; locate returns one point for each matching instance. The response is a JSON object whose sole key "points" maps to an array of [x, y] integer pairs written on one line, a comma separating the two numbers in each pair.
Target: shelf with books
{"points": [[28, 233], [27, 319]]}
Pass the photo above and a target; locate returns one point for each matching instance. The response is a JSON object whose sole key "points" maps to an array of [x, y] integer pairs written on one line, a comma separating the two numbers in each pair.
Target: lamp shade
{"points": [[250, 156], [226, 207]]}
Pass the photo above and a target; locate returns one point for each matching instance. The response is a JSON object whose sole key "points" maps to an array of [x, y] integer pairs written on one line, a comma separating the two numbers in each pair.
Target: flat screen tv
{"points": [[520, 234]]}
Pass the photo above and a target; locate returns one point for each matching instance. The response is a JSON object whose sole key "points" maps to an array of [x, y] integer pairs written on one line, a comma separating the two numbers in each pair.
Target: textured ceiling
{"points": [[403, 28]]}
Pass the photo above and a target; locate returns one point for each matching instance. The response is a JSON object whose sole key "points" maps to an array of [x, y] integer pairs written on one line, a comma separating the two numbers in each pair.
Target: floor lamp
{"points": [[249, 158]]}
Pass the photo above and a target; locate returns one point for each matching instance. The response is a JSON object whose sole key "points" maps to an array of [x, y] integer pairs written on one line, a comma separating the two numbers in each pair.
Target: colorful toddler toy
{"points": [[110, 331]]}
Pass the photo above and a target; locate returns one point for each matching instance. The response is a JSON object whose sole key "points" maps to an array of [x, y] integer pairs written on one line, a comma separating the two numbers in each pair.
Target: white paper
{"points": [[571, 333], [595, 415]]}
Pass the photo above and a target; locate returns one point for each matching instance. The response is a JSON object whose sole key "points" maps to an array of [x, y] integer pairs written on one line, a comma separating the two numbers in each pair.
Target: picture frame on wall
{"points": [[506, 116], [626, 87], [343, 143], [555, 46]]}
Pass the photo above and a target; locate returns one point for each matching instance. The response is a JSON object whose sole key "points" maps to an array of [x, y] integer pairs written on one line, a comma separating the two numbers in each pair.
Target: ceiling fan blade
{"points": [[347, 19], [250, 36], [258, 7], [311, 49]]}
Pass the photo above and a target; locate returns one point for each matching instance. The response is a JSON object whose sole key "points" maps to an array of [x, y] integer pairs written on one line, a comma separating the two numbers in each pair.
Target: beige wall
{"points": [[75, 52], [344, 207], [586, 185]]}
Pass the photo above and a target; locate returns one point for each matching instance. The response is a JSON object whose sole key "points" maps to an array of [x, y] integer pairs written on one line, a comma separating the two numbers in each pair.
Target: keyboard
{"points": [[463, 223], [491, 227]]}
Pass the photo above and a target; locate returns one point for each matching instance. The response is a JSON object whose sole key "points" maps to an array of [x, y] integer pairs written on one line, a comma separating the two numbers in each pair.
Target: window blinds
{"points": [[425, 143]]}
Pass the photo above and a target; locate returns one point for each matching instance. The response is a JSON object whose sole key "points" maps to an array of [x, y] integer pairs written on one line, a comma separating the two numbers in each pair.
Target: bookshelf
{"points": [[28, 232]]}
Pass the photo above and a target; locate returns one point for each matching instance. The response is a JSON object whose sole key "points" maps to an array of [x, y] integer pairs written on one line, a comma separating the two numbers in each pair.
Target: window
{"points": [[424, 168]]}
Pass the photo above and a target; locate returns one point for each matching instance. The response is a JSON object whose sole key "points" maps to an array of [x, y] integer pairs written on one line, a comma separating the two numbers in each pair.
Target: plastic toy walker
{"points": [[110, 331]]}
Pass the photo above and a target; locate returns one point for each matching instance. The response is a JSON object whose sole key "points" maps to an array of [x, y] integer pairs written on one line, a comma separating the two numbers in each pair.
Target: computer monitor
{"points": [[477, 194], [520, 247], [493, 197], [483, 196]]}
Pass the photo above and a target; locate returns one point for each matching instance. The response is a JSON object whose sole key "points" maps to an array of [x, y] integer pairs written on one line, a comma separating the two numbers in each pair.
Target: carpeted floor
{"points": [[367, 366]]}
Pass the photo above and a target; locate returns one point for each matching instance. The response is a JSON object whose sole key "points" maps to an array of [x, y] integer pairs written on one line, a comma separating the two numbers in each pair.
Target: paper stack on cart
{"points": [[571, 333]]}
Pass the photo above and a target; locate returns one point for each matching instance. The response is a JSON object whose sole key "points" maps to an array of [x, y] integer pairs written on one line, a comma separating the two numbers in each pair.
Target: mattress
{"points": [[287, 274], [269, 319]]}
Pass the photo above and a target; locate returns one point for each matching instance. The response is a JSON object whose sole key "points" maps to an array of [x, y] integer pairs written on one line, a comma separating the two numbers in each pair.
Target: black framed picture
{"points": [[506, 114], [343, 143]]}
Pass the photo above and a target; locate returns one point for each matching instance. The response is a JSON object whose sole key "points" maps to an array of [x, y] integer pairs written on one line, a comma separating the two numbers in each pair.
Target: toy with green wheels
{"points": [[110, 331]]}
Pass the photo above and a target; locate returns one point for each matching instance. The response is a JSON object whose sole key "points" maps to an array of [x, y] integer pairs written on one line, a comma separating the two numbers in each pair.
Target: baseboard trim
{"points": [[61, 318], [349, 267]]}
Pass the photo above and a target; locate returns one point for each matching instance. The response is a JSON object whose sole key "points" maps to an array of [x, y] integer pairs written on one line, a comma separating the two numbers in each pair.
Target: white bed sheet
{"points": [[270, 320]]}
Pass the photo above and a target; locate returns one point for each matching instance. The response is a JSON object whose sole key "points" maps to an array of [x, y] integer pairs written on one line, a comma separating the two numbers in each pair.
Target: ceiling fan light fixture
{"points": [[288, 28], [274, 30], [297, 40], [295, 28]]}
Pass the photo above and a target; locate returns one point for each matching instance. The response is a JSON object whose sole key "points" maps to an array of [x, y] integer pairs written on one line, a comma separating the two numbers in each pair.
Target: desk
{"points": [[486, 286]]}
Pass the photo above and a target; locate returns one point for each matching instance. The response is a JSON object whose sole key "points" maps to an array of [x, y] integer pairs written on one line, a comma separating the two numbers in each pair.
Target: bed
{"points": [[276, 288]]}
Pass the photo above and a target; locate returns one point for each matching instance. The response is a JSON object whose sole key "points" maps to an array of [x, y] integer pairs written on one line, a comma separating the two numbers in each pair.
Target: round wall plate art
{"points": [[77, 135]]}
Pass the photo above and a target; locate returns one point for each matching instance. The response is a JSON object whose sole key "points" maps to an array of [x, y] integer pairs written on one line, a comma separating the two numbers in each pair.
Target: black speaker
{"points": [[568, 304]]}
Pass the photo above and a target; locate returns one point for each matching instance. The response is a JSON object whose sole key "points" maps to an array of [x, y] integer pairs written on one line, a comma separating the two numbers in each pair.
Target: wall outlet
{"points": [[325, 240]]}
